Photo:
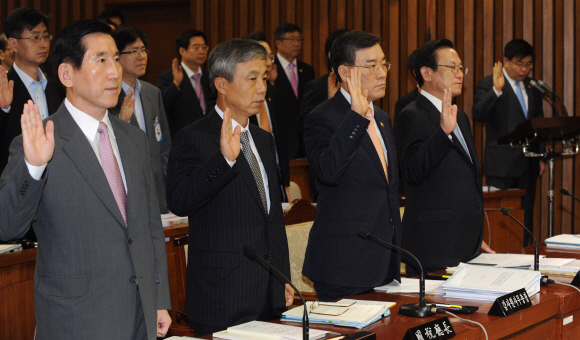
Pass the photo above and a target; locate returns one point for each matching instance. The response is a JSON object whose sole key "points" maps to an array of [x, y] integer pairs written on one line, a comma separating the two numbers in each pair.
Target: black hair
{"points": [[285, 28], [23, 19], [427, 56], [3, 42], [127, 35], [108, 13], [184, 38], [518, 48], [344, 48], [411, 60], [68, 45], [257, 35], [331, 38]]}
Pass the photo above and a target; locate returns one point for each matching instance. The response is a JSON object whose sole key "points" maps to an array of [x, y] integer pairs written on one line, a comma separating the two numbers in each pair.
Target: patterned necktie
{"points": [[520, 96], [111, 169], [293, 79], [377, 143], [251, 158], [199, 91]]}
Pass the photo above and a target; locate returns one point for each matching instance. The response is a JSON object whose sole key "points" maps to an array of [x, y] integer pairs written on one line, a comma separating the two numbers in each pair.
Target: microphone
{"points": [[250, 252], [539, 88], [417, 310], [545, 86], [565, 192]]}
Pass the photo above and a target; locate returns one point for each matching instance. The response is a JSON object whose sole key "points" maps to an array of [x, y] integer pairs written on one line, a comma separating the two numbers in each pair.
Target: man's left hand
{"points": [[289, 295], [163, 322]]}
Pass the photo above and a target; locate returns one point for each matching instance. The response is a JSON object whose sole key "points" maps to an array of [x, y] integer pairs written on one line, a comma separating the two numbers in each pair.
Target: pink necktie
{"points": [[293, 79], [111, 169], [199, 91]]}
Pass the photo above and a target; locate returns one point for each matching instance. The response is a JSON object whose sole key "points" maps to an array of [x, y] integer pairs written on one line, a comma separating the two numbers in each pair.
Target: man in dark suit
{"points": [[222, 174], [352, 154], [293, 75], [503, 101], [86, 186], [27, 33], [187, 95], [443, 220], [142, 101], [269, 118]]}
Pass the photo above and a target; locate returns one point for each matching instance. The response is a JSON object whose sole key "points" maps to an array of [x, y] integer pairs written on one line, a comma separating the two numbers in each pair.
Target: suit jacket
{"points": [[443, 220], [10, 122], [501, 116], [181, 104], [224, 287], [88, 260], [278, 132], [159, 151], [291, 104], [353, 194], [405, 100]]}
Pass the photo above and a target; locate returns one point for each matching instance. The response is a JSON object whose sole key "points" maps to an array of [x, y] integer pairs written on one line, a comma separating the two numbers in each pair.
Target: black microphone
{"points": [[565, 192], [537, 254], [539, 88], [545, 86], [250, 252], [417, 310]]}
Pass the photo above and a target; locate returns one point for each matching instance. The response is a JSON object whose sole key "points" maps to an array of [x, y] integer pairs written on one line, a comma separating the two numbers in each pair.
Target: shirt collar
{"points": [[510, 80], [234, 123], [347, 97], [190, 72], [284, 63], [128, 88], [88, 124], [27, 80], [436, 101]]}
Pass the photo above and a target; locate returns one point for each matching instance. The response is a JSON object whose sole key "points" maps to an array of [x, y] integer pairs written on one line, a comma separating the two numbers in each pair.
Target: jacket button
{"points": [[351, 137], [391, 220], [130, 241], [133, 279], [480, 208], [358, 126]]}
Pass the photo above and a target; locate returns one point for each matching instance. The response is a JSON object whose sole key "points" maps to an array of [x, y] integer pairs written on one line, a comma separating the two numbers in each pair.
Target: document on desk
{"points": [[505, 260], [566, 241], [259, 330], [408, 285], [488, 283]]}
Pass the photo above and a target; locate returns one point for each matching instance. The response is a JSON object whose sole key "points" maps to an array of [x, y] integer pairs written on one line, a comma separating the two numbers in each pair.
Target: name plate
{"points": [[438, 329], [510, 303]]}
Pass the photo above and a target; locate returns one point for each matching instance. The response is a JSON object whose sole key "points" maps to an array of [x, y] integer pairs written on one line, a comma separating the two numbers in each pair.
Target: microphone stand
{"points": [[545, 86]]}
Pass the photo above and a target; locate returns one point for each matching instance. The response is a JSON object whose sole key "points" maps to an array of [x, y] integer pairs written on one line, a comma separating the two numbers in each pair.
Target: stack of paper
{"points": [[5, 248], [408, 285], [488, 283], [565, 241], [345, 312], [259, 330], [172, 219], [520, 261]]}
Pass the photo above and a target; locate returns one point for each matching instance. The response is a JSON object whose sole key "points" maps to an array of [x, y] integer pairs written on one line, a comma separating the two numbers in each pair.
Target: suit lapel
{"points": [[20, 89], [389, 145], [262, 142], [148, 117], [509, 90], [80, 152]]}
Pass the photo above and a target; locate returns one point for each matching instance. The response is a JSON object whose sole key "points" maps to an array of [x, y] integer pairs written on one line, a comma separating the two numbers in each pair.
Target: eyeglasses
{"points": [[144, 52], [455, 69], [293, 39], [521, 65], [375, 68], [198, 48], [36, 39], [271, 58]]}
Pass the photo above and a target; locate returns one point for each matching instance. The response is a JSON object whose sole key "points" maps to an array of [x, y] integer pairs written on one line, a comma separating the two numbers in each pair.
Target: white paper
{"points": [[408, 285], [267, 330]]}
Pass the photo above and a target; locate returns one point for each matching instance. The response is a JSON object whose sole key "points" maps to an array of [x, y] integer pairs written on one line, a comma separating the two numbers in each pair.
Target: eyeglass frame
{"points": [[198, 48], [520, 65], [143, 52], [36, 39], [271, 57], [375, 68], [455, 69], [293, 39]]}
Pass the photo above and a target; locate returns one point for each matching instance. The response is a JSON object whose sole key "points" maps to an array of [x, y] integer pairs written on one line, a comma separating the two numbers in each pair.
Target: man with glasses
{"points": [[502, 101], [187, 95], [443, 220], [27, 33], [293, 75], [141, 105], [352, 155]]}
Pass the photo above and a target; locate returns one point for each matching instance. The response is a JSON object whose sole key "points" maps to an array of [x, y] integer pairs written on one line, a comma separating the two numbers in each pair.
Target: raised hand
{"points": [[332, 85], [498, 78], [177, 73], [358, 96], [38, 145], [448, 113], [230, 140], [128, 107], [6, 89]]}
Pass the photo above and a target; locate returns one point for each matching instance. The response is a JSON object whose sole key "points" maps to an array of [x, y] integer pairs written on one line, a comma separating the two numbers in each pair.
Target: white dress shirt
{"points": [[286, 68], [513, 85], [35, 89]]}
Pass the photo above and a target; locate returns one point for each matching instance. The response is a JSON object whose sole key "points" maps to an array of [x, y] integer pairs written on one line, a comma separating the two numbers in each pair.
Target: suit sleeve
{"points": [[192, 180], [485, 100], [19, 194], [419, 148], [165, 144], [169, 91], [330, 152]]}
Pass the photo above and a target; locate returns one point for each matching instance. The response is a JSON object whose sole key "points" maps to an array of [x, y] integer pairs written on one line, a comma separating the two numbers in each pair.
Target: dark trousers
{"points": [[139, 329]]}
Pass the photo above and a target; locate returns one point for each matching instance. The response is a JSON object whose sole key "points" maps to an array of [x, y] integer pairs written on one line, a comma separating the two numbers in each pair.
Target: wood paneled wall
{"points": [[479, 28]]}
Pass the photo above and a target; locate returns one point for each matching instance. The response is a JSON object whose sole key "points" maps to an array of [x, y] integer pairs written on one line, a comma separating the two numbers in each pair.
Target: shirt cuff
{"points": [[497, 93], [231, 164], [8, 109], [35, 171]]}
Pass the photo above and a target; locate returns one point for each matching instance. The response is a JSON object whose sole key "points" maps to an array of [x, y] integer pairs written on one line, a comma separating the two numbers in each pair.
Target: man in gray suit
{"points": [[87, 188], [141, 105]]}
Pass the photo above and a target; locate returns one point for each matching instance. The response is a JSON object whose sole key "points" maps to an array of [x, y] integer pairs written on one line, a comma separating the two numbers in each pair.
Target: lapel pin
{"points": [[382, 125], [269, 99], [300, 70]]}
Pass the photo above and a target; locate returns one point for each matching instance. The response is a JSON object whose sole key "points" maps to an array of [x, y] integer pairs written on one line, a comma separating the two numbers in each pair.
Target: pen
{"points": [[337, 338]]}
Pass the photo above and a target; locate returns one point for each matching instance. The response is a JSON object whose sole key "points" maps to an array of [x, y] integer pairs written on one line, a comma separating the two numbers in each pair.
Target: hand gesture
{"points": [[38, 146], [498, 78], [448, 113], [332, 85], [6, 89], [358, 97], [128, 107], [163, 322], [289, 294], [177, 72], [230, 140]]}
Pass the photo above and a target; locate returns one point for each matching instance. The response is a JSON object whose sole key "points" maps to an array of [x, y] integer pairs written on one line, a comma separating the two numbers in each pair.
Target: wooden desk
{"points": [[506, 234]]}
